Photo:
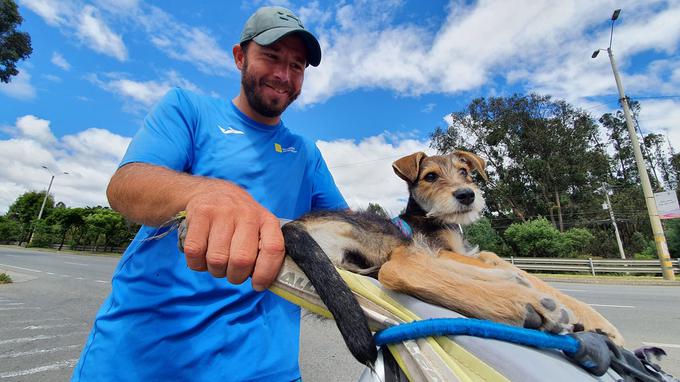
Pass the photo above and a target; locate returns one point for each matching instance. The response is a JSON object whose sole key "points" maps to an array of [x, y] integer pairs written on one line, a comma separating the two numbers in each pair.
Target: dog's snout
{"points": [[465, 196]]}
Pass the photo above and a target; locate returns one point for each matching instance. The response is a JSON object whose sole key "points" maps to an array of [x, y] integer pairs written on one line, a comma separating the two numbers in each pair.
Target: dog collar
{"points": [[403, 226]]}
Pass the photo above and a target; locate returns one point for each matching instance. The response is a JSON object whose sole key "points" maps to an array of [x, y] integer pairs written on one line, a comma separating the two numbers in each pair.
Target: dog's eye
{"points": [[430, 177], [463, 172]]}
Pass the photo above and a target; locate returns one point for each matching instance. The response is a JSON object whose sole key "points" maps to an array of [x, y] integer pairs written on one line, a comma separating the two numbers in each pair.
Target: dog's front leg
{"points": [[430, 279], [584, 314]]}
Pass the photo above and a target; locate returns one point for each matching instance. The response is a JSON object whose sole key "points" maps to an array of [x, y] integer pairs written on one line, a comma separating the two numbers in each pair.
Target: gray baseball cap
{"points": [[269, 24]]}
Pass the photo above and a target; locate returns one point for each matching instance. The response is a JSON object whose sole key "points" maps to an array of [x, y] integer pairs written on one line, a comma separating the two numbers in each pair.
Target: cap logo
{"points": [[289, 17]]}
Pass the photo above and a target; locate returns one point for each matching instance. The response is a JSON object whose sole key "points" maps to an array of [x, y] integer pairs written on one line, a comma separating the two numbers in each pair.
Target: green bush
{"points": [[10, 230], [603, 243], [5, 279], [537, 238], [579, 240], [43, 235], [483, 235], [672, 229]]}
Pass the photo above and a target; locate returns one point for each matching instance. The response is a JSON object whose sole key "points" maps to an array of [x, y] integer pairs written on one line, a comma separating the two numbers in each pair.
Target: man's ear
{"points": [[239, 56], [407, 167], [476, 163]]}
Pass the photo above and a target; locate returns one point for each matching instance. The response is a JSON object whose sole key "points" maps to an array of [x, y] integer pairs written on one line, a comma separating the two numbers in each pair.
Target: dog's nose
{"points": [[465, 196]]}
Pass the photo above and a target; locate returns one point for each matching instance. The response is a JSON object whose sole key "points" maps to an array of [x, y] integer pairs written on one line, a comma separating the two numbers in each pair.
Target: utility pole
{"points": [[611, 216], [657, 228]]}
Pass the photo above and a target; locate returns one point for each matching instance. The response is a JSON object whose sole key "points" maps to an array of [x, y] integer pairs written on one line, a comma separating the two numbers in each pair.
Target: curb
{"points": [[596, 280]]}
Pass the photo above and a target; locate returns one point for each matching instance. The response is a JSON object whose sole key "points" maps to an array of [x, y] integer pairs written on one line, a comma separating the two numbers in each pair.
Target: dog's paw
{"points": [[547, 314]]}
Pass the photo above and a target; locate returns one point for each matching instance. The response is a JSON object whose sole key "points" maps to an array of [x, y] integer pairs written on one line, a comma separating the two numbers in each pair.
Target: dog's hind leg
{"points": [[337, 296]]}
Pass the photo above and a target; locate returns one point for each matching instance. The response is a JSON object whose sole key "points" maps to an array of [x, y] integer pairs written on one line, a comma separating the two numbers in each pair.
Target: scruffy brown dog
{"points": [[433, 263]]}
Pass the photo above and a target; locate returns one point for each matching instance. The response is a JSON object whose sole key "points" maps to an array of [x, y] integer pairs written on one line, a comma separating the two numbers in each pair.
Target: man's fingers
{"points": [[243, 250], [270, 256], [218, 254], [196, 241]]}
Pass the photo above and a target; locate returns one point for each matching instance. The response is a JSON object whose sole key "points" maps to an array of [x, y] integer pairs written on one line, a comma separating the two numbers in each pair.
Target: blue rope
{"points": [[477, 328]]}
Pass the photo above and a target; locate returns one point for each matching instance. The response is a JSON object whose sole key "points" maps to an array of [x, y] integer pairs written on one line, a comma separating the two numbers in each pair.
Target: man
{"points": [[234, 167]]}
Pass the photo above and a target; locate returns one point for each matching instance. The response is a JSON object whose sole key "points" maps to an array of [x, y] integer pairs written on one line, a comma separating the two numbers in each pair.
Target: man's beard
{"points": [[269, 109]]}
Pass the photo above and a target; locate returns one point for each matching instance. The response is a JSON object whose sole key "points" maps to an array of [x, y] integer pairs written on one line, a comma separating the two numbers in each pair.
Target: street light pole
{"points": [[657, 228], [42, 207]]}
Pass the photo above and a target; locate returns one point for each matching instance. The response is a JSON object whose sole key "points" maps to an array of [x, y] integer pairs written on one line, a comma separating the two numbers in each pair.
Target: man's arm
{"points": [[229, 233]]}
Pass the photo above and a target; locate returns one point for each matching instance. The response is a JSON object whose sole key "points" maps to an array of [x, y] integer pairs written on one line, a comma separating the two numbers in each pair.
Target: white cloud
{"points": [[139, 95], [98, 36], [662, 117], [90, 157], [60, 61], [368, 176], [183, 42], [20, 86], [53, 12], [52, 77], [543, 48], [36, 129], [83, 21]]}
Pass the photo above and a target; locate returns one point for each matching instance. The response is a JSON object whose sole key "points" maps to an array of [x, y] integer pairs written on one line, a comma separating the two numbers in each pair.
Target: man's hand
{"points": [[230, 234]]}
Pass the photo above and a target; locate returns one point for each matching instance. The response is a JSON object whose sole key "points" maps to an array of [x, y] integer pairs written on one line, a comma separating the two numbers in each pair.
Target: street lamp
{"points": [[48, 190], [657, 228], [42, 207]]}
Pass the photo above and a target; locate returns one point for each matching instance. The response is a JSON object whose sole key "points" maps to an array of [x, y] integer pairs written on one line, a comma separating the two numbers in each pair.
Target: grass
{"points": [[5, 279]]}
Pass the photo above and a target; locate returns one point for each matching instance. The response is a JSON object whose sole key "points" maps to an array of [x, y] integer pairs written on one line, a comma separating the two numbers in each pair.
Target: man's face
{"points": [[272, 75]]}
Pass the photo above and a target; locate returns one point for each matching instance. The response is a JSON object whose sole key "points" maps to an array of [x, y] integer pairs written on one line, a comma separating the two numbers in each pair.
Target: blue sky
{"points": [[391, 71]]}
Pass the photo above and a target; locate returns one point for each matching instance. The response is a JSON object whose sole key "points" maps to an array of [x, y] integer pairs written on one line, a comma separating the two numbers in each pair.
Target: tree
{"points": [[25, 210], [109, 224], [541, 158], [14, 45], [377, 209], [67, 220], [10, 230]]}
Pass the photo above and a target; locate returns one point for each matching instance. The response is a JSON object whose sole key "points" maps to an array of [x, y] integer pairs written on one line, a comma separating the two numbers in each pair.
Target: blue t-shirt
{"points": [[165, 322]]}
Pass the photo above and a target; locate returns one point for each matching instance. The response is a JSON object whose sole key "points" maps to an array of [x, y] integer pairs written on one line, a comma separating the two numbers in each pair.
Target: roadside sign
{"points": [[667, 204]]}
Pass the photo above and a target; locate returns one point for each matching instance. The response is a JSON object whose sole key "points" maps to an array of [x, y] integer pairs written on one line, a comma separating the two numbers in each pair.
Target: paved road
{"points": [[47, 313]]}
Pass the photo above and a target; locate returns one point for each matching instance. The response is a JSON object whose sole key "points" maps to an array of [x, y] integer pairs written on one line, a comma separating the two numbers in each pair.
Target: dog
{"points": [[433, 263]]}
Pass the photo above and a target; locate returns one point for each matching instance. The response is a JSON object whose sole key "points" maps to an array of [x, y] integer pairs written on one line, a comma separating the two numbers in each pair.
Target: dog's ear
{"points": [[476, 163], [407, 167]]}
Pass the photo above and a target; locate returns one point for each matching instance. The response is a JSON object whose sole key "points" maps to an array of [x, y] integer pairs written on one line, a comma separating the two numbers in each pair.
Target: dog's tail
{"points": [[349, 317]]}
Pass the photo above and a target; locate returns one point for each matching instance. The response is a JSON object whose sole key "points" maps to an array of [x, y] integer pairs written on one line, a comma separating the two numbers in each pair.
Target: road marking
{"points": [[101, 281], [40, 320], [39, 327], [37, 351], [25, 269], [81, 264], [54, 366], [11, 303], [613, 306], [50, 273], [661, 345], [22, 308], [65, 275], [23, 340], [81, 278]]}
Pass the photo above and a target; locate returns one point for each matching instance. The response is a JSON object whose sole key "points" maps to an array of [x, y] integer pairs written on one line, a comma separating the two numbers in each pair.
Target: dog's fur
{"points": [[435, 264]]}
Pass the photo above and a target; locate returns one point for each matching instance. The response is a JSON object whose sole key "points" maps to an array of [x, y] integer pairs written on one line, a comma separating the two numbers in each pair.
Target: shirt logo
{"points": [[279, 149], [230, 130]]}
